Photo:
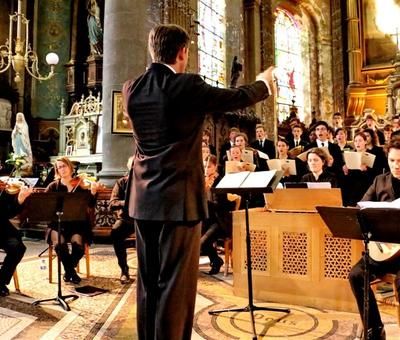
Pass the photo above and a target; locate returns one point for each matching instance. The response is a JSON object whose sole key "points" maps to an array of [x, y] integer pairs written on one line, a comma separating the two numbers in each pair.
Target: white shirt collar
{"points": [[319, 143], [169, 66]]}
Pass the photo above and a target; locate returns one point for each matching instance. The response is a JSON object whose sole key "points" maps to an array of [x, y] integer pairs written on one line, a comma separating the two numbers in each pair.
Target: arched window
{"points": [[289, 58], [211, 41]]}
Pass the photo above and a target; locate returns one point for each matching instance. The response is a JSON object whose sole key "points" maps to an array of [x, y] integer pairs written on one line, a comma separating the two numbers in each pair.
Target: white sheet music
{"points": [[371, 204], [233, 180], [262, 155], [282, 164], [248, 156], [319, 185], [247, 179], [259, 179], [30, 181], [354, 159]]}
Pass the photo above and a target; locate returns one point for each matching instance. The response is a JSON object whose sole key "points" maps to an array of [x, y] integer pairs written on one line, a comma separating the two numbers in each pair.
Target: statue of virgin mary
{"points": [[20, 140]]}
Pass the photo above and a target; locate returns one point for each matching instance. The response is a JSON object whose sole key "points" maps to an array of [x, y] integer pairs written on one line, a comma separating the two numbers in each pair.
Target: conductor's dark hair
{"points": [[165, 41]]}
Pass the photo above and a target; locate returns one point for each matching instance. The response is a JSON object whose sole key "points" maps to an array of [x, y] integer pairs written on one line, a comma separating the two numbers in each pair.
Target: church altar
{"points": [[295, 258]]}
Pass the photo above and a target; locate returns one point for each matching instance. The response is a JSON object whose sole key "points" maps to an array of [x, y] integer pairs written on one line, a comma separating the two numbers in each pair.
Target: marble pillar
{"points": [[125, 56]]}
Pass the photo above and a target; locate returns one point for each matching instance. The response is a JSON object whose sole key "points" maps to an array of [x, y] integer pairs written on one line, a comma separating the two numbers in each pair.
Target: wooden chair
{"points": [[15, 275], [52, 255], [389, 278]]}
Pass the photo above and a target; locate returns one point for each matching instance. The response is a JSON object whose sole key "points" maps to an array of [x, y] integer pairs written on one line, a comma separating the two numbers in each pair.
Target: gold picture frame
{"points": [[120, 124]]}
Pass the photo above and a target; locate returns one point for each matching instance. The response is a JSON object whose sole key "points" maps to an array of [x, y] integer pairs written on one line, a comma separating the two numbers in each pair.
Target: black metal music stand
{"points": [[57, 206], [370, 224], [246, 194]]}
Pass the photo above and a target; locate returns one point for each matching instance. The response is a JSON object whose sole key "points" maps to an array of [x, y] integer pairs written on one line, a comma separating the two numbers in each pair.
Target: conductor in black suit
{"points": [[167, 109]]}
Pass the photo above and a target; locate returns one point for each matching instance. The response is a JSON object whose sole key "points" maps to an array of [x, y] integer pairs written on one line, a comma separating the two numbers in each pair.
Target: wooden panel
{"points": [[304, 264], [303, 199]]}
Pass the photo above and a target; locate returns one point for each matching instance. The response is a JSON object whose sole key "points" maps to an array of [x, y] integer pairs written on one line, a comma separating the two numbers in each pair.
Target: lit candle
{"points": [[19, 19]]}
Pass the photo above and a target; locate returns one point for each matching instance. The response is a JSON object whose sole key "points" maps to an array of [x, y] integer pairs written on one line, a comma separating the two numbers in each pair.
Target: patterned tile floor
{"points": [[112, 315]]}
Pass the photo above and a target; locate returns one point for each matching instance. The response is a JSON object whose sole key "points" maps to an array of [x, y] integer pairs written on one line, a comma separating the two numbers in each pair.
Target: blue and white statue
{"points": [[20, 141], [95, 30]]}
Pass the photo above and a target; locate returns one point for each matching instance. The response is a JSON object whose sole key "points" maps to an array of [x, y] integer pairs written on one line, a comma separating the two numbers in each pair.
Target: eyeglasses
{"points": [[62, 166]]}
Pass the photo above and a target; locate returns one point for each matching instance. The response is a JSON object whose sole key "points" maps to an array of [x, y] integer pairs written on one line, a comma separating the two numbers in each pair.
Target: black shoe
{"points": [[124, 278], [67, 277], [4, 290], [75, 279], [216, 266], [377, 333]]}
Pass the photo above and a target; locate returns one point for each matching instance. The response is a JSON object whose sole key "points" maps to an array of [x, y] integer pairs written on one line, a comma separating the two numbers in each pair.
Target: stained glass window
{"points": [[211, 41], [288, 59]]}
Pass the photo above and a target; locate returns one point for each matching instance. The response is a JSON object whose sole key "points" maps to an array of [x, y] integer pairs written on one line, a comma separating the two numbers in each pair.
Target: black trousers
{"points": [[168, 260], [210, 235], [15, 251], [70, 260], [119, 232], [376, 269]]}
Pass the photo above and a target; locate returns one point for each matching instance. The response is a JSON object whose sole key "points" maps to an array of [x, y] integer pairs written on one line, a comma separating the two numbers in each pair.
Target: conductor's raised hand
{"points": [[268, 76]]}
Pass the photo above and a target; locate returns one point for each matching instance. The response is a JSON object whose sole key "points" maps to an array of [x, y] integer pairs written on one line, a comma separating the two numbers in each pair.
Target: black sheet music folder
{"points": [[344, 222]]}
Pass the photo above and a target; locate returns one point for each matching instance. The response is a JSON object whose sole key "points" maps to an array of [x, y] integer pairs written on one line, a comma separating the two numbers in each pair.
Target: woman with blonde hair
{"points": [[78, 233]]}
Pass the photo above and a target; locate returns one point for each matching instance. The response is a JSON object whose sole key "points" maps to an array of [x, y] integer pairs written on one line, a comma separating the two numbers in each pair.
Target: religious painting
{"points": [[380, 21], [120, 123]]}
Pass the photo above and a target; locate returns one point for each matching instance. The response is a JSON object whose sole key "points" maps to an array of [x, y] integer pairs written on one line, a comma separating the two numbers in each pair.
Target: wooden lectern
{"points": [[295, 258]]}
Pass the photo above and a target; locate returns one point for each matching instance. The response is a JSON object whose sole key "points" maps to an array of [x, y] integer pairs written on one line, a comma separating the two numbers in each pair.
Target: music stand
{"points": [[54, 206], [246, 194], [369, 224]]}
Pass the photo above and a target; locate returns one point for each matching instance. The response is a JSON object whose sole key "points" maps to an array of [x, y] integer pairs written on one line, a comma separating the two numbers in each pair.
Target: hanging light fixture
{"points": [[20, 55]]}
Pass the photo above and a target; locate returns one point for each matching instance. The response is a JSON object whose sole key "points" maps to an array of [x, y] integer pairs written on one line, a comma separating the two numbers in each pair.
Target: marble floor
{"points": [[111, 315]]}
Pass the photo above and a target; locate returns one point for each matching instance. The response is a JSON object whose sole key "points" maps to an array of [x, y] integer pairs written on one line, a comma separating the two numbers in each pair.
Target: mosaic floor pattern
{"points": [[112, 315]]}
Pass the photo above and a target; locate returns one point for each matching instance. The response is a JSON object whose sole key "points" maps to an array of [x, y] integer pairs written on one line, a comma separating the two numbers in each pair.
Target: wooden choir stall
{"points": [[295, 259]]}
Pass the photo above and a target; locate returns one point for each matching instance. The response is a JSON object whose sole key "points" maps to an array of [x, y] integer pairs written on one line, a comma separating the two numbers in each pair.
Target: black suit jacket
{"points": [[381, 189], [167, 111], [268, 147], [222, 152], [302, 143]]}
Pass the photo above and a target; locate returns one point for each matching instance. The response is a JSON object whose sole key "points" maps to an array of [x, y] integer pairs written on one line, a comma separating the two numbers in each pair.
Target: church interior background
{"points": [[334, 56]]}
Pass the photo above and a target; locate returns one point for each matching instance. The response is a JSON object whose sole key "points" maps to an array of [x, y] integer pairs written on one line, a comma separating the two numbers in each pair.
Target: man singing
{"points": [[167, 109]]}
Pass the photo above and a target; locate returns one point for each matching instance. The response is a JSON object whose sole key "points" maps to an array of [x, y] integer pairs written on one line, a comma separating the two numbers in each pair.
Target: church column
{"points": [[355, 92], [354, 50], [125, 56], [252, 39], [268, 107]]}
